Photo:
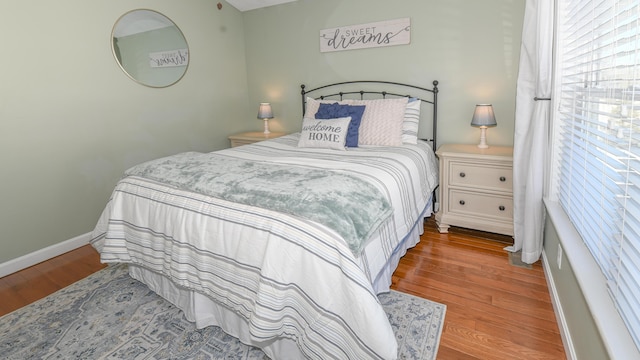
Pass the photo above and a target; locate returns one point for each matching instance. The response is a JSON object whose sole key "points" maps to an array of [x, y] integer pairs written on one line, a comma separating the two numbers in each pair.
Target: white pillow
{"points": [[327, 134], [382, 121], [411, 122], [313, 105]]}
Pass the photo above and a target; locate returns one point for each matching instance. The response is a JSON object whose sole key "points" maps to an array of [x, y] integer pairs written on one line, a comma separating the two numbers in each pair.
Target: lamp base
{"points": [[266, 127], [483, 138]]}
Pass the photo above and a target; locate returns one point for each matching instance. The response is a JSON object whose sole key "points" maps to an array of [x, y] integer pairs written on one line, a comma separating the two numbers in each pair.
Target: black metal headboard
{"points": [[425, 95]]}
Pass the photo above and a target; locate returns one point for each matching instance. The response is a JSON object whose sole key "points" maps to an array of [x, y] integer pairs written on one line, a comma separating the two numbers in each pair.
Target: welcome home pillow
{"points": [[336, 110], [326, 134]]}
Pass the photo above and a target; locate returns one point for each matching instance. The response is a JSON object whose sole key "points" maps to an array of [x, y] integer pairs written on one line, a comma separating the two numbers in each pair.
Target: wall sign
{"points": [[170, 58], [383, 33]]}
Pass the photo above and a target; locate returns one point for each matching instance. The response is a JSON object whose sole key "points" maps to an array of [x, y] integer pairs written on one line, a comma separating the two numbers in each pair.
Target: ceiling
{"points": [[246, 5]]}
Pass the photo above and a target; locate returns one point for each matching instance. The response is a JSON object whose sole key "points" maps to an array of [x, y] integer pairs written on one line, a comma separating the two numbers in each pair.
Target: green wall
{"points": [[471, 47], [585, 336], [71, 121]]}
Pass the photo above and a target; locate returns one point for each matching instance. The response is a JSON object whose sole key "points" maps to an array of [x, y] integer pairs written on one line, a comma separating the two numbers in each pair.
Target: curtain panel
{"points": [[531, 135]]}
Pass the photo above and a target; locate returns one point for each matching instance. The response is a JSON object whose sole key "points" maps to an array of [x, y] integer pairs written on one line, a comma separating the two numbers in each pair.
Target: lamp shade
{"points": [[483, 116], [264, 111]]}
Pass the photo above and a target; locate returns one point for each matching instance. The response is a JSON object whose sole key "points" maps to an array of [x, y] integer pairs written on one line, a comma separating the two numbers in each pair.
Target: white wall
{"points": [[71, 121]]}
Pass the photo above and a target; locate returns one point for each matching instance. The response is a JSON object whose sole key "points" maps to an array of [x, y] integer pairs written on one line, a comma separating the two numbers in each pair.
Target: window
{"points": [[598, 139]]}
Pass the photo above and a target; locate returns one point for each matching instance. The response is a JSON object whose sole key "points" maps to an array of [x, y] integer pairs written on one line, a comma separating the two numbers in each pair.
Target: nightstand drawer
{"points": [[482, 176], [478, 204], [252, 137], [238, 142]]}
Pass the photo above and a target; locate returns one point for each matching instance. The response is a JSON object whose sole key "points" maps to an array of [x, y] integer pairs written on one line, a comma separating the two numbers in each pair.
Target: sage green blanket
{"points": [[347, 204]]}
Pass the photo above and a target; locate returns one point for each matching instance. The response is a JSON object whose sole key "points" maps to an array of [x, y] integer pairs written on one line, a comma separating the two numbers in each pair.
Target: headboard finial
{"points": [[304, 103]]}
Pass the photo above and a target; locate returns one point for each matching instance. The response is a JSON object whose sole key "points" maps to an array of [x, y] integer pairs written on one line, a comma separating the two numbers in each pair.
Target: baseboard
{"points": [[23, 262], [557, 308]]}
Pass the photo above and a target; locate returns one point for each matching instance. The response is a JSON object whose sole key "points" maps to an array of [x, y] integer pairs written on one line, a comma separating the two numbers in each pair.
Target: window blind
{"points": [[598, 184]]}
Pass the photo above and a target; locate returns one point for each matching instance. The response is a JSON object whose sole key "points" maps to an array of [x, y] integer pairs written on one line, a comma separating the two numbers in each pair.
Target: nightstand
{"points": [[252, 137], [476, 189]]}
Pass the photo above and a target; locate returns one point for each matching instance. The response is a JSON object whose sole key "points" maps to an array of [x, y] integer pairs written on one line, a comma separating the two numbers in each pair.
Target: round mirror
{"points": [[150, 48]]}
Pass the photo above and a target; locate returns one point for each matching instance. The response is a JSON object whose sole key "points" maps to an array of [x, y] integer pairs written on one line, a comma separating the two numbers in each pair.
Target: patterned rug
{"points": [[109, 315]]}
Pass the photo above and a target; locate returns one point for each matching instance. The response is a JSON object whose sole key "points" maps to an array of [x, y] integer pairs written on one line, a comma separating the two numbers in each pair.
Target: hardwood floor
{"points": [[33, 283], [494, 310]]}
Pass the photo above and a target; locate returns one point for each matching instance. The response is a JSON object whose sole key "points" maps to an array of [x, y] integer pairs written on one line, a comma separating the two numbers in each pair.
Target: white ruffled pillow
{"points": [[326, 134]]}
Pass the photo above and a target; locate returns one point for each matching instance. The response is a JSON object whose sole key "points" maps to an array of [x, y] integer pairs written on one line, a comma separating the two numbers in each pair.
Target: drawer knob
{"points": [[503, 179], [462, 174], [461, 202], [501, 207]]}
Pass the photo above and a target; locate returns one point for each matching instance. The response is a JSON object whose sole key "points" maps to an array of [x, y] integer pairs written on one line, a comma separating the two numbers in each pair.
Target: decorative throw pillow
{"points": [[411, 122], [327, 134], [335, 110], [382, 121]]}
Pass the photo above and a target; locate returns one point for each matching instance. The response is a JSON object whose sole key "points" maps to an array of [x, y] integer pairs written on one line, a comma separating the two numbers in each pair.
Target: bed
{"points": [[286, 243]]}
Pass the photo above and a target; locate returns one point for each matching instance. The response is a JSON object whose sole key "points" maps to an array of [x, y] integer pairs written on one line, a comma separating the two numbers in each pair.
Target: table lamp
{"points": [[483, 117], [265, 113]]}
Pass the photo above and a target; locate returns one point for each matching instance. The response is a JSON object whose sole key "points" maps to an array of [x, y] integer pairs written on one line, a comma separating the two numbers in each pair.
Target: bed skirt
{"points": [[382, 281], [203, 311]]}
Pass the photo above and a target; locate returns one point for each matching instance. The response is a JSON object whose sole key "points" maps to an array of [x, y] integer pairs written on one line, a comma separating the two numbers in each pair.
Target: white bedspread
{"points": [[285, 276]]}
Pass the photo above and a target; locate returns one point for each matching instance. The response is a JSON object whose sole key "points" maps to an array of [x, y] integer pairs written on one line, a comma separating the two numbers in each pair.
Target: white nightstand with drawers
{"points": [[476, 189]]}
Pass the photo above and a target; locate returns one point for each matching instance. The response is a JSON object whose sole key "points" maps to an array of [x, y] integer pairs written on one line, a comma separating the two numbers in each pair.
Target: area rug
{"points": [[109, 315]]}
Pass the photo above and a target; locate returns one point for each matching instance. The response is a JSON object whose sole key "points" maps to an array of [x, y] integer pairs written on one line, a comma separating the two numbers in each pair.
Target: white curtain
{"points": [[530, 141]]}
